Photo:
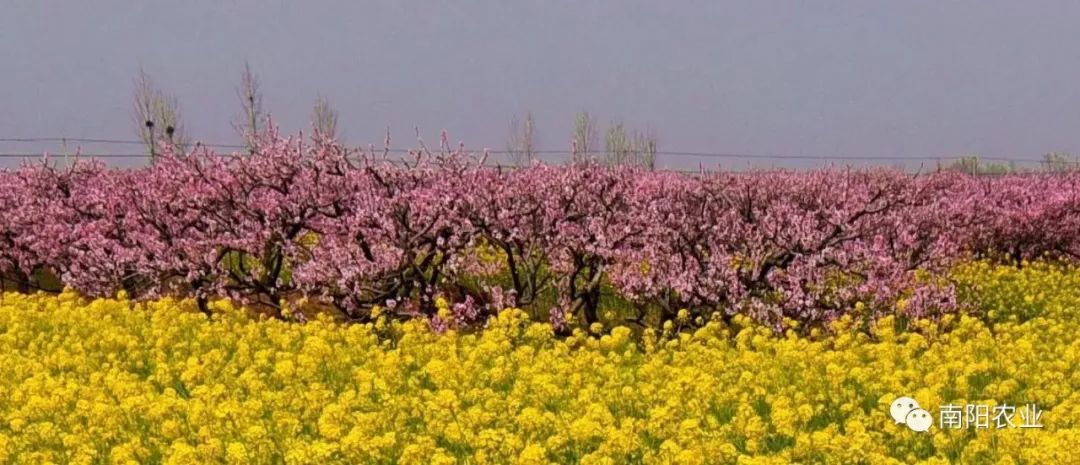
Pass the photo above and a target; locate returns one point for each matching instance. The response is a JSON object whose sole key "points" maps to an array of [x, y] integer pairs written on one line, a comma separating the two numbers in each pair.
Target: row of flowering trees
{"points": [[298, 219]]}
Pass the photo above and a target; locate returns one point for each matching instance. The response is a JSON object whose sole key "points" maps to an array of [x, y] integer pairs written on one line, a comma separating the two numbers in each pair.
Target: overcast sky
{"points": [[819, 78]]}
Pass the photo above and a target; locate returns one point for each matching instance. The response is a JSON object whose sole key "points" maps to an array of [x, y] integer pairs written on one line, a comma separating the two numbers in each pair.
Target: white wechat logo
{"points": [[906, 410]]}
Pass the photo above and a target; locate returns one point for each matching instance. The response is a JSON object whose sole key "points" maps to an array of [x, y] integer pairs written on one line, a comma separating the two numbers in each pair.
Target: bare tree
{"points": [[972, 164], [630, 148], [250, 94], [645, 144], [618, 145], [521, 146], [1058, 162], [324, 118], [585, 136], [156, 115]]}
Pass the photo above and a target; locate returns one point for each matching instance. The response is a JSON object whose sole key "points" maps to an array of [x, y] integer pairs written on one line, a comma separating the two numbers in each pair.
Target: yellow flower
{"points": [[533, 454], [111, 381], [236, 453], [596, 328]]}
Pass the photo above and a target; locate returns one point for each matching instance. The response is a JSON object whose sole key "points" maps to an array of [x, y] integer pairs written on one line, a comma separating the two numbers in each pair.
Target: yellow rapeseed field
{"points": [[112, 381]]}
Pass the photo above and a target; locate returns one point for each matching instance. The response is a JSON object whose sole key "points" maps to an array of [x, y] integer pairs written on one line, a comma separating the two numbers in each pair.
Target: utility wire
{"points": [[101, 141], [685, 154], [676, 154]]}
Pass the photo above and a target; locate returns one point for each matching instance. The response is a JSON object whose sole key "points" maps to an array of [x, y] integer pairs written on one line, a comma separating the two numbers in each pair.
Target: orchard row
{"points": [[300, 220]]}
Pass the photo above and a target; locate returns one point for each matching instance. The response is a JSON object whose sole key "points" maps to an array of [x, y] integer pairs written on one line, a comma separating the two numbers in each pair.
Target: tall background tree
{"points": [[585, 137], [1060, 162], [249, 122], [324, 118], [522, 144], [156, 115]]}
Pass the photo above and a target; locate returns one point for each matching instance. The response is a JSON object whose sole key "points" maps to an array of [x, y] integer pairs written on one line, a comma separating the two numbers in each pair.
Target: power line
{"points": [[703, 155], [143, 156], [685, 154], [101, 141], [79, 155]]}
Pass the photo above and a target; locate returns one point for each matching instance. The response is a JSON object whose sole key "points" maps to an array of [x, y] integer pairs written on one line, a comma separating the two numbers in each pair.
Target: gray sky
{"points": [[831, 78]]}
